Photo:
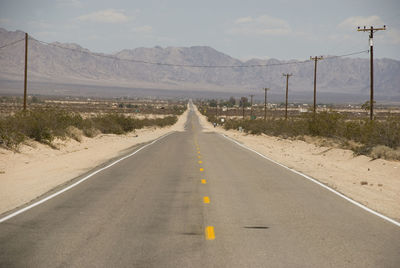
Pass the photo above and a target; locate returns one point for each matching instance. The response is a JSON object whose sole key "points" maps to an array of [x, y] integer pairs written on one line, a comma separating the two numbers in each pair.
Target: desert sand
{"points": [[37, 168], [373, 183]]}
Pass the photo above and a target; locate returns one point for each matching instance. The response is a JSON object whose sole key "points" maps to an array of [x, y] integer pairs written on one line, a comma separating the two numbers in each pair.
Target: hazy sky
{"points": [[281, 29]]}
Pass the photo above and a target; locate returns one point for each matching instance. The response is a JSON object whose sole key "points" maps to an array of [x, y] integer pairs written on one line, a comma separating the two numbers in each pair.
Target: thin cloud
{"points": [[45, 34], [390, 36], [262, 25], [39, 24], [4, 21], [69, 3], [105, 16], [143, 29], [354, 22]]}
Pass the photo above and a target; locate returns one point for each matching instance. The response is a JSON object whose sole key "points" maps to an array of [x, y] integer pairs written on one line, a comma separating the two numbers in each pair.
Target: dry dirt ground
{"points": [[373, 183], [37, 168]]}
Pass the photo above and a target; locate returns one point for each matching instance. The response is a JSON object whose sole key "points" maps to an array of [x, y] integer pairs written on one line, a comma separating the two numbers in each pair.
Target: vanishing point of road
{"points": [[196, 199]]}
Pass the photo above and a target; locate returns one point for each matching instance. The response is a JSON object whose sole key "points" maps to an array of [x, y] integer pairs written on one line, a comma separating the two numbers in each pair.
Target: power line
{"points": [[346, 55], [188, 65], [13, 43]]}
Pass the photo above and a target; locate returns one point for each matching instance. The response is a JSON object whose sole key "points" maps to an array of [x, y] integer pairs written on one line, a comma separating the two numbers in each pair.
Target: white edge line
{"points": [[78, 182], [317, 182]]}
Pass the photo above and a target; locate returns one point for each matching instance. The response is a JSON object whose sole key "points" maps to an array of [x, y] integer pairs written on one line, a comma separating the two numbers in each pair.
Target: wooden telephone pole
{"points": [[26, 69], [316, 59], [265, 103], [251, 106], [371, 50], [287, 90], [243, 107]]}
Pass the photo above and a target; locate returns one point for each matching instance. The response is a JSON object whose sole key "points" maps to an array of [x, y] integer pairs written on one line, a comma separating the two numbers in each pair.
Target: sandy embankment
{"points": [[374, 183], [37, 168]]}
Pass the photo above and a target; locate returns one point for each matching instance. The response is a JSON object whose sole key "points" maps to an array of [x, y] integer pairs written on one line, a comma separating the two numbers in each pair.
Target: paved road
{"points": [[151, 210]]}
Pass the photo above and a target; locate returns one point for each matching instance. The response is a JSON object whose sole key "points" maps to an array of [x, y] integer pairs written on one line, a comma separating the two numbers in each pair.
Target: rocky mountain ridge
{"points": [[70, 63]]}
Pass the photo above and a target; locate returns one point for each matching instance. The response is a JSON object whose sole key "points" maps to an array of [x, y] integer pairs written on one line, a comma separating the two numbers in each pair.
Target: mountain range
{"points": [[71, 64]]}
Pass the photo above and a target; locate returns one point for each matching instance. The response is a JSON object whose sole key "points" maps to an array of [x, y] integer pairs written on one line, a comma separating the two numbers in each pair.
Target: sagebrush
{"points": [[46, 125], [368, 134]]}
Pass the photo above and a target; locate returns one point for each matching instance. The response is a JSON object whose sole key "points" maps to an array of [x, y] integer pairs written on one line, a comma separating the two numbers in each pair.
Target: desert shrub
{"points": [[382, 151], [45, 125], [232, 124], [372, 133], [109, 123], [9, 136], [325, 124], [362, 150], [91, 132], [366, 133], [178, 110], [351, 130], [75, 133], [33, 124], [391, 131], [212, 119], [272, 126], [166, 121]]}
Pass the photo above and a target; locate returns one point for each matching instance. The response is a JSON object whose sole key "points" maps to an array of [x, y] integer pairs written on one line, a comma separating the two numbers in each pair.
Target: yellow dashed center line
{"points": [[210, 235], [209, 231]]}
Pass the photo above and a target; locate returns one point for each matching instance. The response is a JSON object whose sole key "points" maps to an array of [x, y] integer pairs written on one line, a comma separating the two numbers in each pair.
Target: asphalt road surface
{"points": [[196, 199]]}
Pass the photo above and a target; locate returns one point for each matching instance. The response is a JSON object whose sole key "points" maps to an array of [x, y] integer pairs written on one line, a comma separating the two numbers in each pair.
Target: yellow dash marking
{"points": [[201, 169], [206, 200], [210, 235], [200, 162], [198, 152], [203, 181], [199, 156]]}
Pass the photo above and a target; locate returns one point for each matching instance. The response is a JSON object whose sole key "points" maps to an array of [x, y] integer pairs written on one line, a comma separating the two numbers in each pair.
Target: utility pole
{"points": [[371, 50], [265, 103], [287, 90], [316, 59], [243, 106], [26, 69], [251, 106]]}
